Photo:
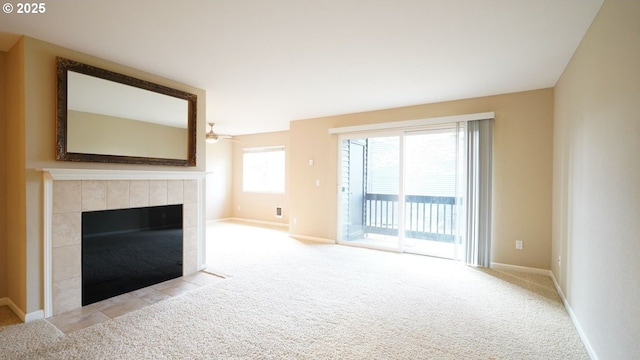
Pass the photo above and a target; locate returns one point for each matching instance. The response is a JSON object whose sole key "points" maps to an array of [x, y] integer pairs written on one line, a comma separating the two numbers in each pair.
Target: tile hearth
{"points": [[114, 307]]}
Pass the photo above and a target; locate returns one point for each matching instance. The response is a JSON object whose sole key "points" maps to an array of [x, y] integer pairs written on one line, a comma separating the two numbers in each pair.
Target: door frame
{"points": [[361, 189]]}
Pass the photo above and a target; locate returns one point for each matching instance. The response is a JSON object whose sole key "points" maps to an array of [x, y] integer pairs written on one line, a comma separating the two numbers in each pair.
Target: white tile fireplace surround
{"points": [[69, 192]]}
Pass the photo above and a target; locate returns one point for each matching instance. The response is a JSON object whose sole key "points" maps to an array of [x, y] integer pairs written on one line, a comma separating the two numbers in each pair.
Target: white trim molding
{"points": [[413, 123], [212, 221], [312, 238], [47, 236], [106, 174], [32, 316], [530, 270], [257, 222]]}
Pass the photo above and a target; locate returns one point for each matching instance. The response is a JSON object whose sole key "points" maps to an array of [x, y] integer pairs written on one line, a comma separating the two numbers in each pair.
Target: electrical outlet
{"points": [[559, 260], [295, 221], [518, 244]]}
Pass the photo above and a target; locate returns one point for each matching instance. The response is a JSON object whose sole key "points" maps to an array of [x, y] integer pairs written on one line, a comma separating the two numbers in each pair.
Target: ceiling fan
{"points": [[213, 138]]}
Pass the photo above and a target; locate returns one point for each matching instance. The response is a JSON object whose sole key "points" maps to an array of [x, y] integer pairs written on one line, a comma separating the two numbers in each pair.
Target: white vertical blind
{"points": [[479, 184]]}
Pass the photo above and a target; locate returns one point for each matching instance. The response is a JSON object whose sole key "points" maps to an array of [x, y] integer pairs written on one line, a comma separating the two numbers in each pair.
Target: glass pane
{"points": [[263, 171], [370, 183], [430, 192]]}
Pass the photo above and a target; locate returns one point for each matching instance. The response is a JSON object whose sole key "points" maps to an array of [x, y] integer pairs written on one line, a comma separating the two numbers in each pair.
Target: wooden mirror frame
{"points": [[65, 65]]}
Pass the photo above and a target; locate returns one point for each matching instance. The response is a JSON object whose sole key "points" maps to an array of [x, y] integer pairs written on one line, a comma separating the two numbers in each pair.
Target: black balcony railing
{"points": [[425, 217]]}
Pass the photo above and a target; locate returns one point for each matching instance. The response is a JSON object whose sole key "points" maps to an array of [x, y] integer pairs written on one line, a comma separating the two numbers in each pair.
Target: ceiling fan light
{"points": [[212, 138]]}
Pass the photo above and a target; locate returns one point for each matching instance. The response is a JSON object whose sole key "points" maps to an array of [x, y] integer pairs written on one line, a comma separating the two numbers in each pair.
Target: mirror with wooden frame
{"points": [[104, 116]]}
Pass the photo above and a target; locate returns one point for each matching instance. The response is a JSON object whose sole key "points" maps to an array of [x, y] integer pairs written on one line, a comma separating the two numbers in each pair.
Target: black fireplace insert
{"points": [[128, 249]]}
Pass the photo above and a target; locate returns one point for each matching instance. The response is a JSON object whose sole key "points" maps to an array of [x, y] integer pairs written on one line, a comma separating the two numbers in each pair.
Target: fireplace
{"points": [[128, 249], [68, 193]]}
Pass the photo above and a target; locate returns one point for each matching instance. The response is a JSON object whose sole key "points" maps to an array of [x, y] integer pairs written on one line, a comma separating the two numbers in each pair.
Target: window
{"points": [[263, 169]]}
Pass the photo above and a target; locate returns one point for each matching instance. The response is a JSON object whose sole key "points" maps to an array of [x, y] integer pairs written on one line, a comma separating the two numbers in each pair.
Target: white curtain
{"points": [[479, 183]]}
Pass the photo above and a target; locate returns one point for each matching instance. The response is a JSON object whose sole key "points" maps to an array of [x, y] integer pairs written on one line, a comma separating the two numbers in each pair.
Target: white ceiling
{"points": [[264, 63]]}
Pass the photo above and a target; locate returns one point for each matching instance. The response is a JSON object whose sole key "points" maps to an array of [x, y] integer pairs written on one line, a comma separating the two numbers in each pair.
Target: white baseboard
{"points": [[16, 310], [525, 269], [219, 220], [574, 319], [36, 315], [311, 238], [259, 222]]}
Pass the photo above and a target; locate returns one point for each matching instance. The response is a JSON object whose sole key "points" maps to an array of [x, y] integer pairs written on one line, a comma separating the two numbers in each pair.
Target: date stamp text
{"points": [[24, 8]]}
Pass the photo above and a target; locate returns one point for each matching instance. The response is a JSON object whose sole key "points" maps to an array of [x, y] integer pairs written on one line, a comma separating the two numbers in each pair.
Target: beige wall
{"points": [[596, 207], [15, 181], [522, 170], [219, 180], [92, 133], [256, 206], [31, 131], [3, 159]]}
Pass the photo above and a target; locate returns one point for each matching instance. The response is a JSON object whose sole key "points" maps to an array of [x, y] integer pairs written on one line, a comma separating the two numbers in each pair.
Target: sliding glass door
{"points": [[400, 191]]}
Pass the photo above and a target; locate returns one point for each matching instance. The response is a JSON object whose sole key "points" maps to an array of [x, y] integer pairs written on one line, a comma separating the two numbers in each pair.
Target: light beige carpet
{"points": [[7, 317], [284, 299]]}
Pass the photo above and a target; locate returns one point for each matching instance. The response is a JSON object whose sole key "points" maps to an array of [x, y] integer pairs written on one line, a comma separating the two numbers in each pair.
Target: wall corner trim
{"points": [[35, 315]]}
